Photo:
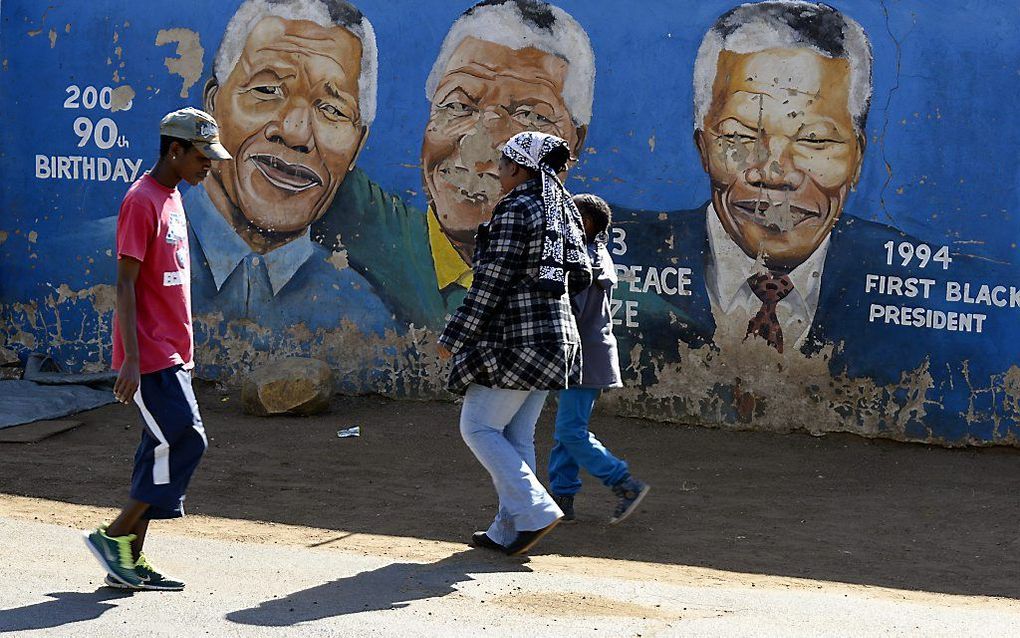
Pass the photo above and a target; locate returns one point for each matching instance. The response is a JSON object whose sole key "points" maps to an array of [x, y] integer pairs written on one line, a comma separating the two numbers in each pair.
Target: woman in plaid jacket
{"points": [[514, 338]]}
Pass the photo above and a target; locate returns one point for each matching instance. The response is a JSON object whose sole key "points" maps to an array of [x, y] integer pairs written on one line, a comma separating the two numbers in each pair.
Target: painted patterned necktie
{"points": [[771, 289]]}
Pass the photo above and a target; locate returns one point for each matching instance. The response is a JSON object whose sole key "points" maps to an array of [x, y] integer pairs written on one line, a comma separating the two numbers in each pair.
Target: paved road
{"points": [[50, 586]]}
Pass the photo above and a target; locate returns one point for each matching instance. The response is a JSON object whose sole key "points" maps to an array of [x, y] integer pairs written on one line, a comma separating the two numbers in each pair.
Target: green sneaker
{"points": [[114, 554], [151, 579]]}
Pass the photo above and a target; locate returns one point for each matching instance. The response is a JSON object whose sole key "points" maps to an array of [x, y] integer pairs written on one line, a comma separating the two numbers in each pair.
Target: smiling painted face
{"points": [[781, 149], [289, 115], [488, 94]]}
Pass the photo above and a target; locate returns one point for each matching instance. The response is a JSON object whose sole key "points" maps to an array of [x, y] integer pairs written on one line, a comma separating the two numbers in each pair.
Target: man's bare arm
{"points": [[130, 376]]}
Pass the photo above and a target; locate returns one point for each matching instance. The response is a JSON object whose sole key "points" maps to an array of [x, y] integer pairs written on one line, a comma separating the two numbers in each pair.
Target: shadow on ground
{"points": [[390, 587], [835, 508], [65, 607]]}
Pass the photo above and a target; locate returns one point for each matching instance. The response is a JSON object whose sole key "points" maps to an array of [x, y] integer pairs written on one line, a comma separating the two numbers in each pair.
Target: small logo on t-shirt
{"points": [[172, 278], [177, 228], [182, 257]]}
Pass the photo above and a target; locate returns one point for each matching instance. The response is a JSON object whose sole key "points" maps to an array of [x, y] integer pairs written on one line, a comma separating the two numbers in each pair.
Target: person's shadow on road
{"points": [[390, 587], [67, 607]]}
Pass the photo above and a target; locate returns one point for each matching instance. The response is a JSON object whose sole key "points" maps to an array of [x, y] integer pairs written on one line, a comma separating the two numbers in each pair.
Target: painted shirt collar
{"points": [[450, 266], [727, 278], [224, 249]]}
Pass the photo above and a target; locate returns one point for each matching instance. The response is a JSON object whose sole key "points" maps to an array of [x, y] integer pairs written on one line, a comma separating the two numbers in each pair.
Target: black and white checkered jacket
{"points": [[507, 334]]}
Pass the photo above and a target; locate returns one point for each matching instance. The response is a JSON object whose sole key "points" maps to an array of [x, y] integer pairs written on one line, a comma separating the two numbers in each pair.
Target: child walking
{"points": [[153, 346], [576, 446]]}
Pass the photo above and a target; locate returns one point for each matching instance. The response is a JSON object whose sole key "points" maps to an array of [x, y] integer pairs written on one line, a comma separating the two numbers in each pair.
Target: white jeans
{"points": [[499, 427]]}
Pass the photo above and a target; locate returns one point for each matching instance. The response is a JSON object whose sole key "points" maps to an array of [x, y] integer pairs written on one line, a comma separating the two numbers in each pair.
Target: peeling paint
{"points": [[735, 384], [121, 98], [741, 384], [53, 38], [476, 147], [393, 365], [32, 236], [999, 403], [339, 259], [40, 325], [188, 64], [1010, 384], [397, 365]]}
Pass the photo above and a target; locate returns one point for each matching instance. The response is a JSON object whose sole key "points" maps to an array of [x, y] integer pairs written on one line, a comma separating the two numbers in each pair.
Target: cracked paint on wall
{"points": [[78, 319], [77, 325], [743, 386]]}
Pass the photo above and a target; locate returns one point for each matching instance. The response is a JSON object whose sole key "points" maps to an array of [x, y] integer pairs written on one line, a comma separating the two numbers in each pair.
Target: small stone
{"points": [[295, 385]]}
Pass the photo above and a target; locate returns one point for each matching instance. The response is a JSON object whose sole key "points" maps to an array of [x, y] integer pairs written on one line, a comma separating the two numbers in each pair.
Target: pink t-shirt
{"points": [[152, 228]]}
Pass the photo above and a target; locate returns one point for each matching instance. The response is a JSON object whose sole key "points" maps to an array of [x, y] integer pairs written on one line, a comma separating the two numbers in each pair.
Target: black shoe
{"points": [[527, 540], [566, 503], [482, 541], [630, 492]]}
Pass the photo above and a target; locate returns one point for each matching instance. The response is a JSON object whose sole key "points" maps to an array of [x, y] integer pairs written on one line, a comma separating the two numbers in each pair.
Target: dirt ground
{"points": [[834, 508]]}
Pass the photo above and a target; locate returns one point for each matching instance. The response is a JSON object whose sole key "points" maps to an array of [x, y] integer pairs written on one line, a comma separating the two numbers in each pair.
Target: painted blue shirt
{"points": [[300, 282]]}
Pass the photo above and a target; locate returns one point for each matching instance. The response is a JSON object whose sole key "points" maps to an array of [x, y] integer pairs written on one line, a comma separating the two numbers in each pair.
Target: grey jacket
{"points": [[600, 359]]}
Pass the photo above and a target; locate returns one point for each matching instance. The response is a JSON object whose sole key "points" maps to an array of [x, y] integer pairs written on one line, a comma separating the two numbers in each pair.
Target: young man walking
{"points": [[153, 346]]}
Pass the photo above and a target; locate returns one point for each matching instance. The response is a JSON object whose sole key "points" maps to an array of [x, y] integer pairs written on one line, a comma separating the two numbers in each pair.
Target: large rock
{"points": [[292, 386]]}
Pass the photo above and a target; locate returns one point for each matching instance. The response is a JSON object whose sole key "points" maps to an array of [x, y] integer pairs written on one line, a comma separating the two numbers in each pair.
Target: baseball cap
{"points": [[197, 127]]}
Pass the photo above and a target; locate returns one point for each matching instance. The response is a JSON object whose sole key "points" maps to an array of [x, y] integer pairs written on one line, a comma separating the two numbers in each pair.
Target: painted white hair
{"points": [[787, 24], [506, 24], [325, 13]]}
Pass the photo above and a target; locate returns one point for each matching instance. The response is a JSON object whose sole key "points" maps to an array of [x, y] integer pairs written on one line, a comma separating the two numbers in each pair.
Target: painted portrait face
{"points": [[780, 147], [289, 115], [488, 94]]}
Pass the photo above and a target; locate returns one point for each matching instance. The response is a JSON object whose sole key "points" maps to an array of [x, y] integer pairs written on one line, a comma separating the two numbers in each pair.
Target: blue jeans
{"points": [[576, 447], [499, 427]]}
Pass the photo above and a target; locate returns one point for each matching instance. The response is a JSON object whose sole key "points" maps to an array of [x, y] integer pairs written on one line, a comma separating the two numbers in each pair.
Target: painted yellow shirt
{"points": [[450, 266]]}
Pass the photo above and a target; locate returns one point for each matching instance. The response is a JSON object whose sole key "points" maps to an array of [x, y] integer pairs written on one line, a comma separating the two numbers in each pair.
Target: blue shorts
{"points": [[173, 442]]}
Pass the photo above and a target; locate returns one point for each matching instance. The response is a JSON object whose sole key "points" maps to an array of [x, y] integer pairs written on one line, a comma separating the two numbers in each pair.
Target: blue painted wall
{"points": [[940, 167]]}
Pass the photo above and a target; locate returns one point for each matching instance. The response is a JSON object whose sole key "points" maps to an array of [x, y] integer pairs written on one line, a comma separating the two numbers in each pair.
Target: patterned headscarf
{"points": [[563, 244]]}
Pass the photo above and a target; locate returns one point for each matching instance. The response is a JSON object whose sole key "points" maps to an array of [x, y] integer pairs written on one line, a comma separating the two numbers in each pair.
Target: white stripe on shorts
{"points": [[161, 455], [184, 378]]}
